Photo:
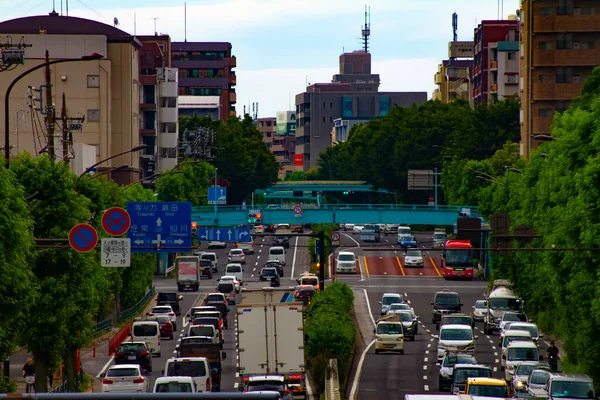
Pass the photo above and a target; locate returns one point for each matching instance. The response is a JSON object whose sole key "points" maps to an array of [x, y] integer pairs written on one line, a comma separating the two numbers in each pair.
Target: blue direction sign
{"points": [[160, 227], [224, 234], [217, 194]]}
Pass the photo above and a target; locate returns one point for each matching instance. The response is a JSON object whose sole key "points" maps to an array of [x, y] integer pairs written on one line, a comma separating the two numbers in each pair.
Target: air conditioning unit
{"points": [[576, 11], [576, 45]]}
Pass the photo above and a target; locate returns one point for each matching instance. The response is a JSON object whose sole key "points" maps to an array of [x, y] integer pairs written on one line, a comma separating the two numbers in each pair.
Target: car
{"points": [[172, 299], [174, 384], [387, 299], [479, 310], [407, 242], [347, 227], [464, 371], [215, 298], [517, 352], [208, 331], [206, 269], [445, 302], [218, 244], [389, 336], [164, 310], [487, 387], [212, 257], [409, 323], [345, 262], [196, 367], [228, 289], [447, 368], [457, 319], [259, 229], [236, 255], [273, 207], [165, 326], [237, 270], [527, 326], [455, 338], [274, 264], [511, 336], [231, 279], [537, 379], [267, 273], [308, 278], [398, 307], [247, 247], [439, 239], [124, 378], [134, 353], [413, 258], [511, 316], [391, 229], [303, 293], [357, 228], [281, 241], [267, 383], [522, 372]]}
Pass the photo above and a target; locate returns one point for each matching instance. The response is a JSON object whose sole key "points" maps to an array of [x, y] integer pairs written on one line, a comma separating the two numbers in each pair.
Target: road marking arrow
{"points": [[158, 222], [229, 234]]}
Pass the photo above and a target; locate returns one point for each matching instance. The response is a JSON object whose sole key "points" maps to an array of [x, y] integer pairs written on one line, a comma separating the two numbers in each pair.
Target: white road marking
{"points": [[495, 369], [429, 345], [487, 336], [497, 361], [174, 351], [237, 374], [110, 360], [424, 377], [252, 276], [424, 367], [294, 258], [351, 238], [426, 359], [426, 388], [361, 361], [254, 269], [236, 385], [428, 331], [406, 295], [495, 354], [257, 257], [493, 347], [427, 351]]}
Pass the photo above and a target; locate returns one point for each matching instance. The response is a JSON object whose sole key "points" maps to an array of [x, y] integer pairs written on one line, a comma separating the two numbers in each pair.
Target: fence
{"points": [[332, 381], [125, 315], [101, 326], [62, 388]]}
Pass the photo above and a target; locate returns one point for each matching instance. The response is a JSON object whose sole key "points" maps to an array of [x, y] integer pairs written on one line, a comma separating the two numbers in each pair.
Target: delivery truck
{"points": [[268, 295], [188, 273], [271, 342]]}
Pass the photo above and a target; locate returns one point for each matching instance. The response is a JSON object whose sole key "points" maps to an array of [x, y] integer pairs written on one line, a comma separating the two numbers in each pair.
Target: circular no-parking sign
{"points": [[335, 236], [83, 238], [297, 210], [116, 221]]}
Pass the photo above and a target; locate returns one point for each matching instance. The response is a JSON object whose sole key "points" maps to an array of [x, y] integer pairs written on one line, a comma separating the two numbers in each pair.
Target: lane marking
{"points": [[426, 388], [435, 266], [427, 351], [495, 369], [110, 360], [294, 258], [186, 322], [351, 238], [493, 347], [497, 361], [366, 265], [359, 368], [426, 359], [400, 265]]}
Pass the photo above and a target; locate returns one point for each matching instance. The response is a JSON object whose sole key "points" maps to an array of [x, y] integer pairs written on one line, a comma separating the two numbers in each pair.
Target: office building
{"points": [[206, 70], [353, 93], [342, 126], [158, 106], [105, 91], [559, 50], [267, 127], [489, 57]]}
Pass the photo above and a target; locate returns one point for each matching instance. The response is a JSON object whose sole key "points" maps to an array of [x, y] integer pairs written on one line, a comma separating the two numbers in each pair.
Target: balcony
{"points": [[554, 91], [566, 23], [232, 61], [233, 79], [437, 78], [146, 131], [493, 65], [232, 97], [148, 106], [494, 88]]}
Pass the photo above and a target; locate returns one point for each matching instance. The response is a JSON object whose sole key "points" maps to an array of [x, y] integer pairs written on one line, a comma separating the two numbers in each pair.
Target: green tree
{"points": [[190, 183], [295, 176]]}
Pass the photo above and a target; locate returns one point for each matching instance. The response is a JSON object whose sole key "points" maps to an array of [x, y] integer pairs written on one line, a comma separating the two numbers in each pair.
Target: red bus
{"points": [[457, 259]]}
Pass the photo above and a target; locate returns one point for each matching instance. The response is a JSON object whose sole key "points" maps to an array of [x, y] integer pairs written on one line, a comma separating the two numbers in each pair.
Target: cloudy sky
{"points": [[282, 44]]}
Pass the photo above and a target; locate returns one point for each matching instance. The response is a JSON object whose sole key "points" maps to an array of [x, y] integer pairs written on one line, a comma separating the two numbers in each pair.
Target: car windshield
{"points": [[310, 281], [225, 287], [233, 269], [447, 300], [439, 236], [210, 257], [507, 339], [408, 239], [405, 317], [346, 257], [202, 331], [276, 251], [539, 377], [269, 272], [132, 347], [145, 330], [173, 387], [163, 319], [389, 329], [162, 310], [205, 263], [214, 297], [454, 359], [488, 391], [237, 252], [481, 304], [414, 253], [522, 354], [167, 297], [403, 231], [510, 316], [505, 304], [457, 258], [461, 375], [456, 334], [572, 390], [265, 385], [206, 321], [532, 329], [524, 369], [399, 306], [186, 368], [387, 300], [123, 372], [457, 320]]}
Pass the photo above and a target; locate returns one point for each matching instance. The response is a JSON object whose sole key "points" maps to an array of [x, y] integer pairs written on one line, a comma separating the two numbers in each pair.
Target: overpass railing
{"points": [[290, 206]]}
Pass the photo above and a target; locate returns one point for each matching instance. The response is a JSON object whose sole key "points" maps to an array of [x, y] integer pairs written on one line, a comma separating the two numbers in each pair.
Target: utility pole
{"points": [[322, 259], [333, 266], [50, 116], [65, 131]]}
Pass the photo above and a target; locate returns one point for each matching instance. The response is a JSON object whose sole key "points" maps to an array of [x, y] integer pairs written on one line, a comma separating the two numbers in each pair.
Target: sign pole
{"points": [[322, 260], [217, 196]]}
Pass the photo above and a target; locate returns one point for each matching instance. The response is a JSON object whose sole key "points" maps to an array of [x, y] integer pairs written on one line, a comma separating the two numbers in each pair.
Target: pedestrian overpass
{"points": [[334, 213], [310, 190]]}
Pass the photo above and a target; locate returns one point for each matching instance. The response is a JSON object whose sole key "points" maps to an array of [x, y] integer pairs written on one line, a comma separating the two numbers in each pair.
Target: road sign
{"points": [[298, 211], [217, 194], [335, 238], [160, 227], [116, 221], [83, 238], [116, 252], [224, 234]]}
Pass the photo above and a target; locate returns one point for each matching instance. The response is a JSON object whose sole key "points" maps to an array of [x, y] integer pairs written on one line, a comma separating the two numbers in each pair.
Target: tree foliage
{"points": [[189, 183]]}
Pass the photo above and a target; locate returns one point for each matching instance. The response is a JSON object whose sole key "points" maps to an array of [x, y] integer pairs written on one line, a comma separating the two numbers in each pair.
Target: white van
{"points": [[277, 253], [404, 230], [174, 384], [235, 269], [147, 331], [206, 331], [195, 367]]}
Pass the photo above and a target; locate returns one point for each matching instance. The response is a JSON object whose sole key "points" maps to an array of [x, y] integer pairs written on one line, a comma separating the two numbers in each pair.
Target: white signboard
{"points": [[116, 252]]}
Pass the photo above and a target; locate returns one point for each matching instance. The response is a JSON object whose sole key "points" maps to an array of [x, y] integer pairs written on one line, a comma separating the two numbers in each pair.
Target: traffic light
{"points": [[347, 191], [254, 218], [194, 228]]}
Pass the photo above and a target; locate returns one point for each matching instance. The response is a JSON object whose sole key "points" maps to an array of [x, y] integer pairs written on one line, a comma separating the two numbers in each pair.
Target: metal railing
{"points": [[101, 326], [169, 270], [398, 207], [124, 315], [62, 388]]}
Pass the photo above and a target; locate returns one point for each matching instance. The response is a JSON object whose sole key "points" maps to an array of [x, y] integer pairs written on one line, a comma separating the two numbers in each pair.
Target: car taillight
{"points": [[150, 314], [295, 376], [145, 353], [171, 314], [208, 385], [120, 353], [107, 381], [246, 378], [138, 380]]}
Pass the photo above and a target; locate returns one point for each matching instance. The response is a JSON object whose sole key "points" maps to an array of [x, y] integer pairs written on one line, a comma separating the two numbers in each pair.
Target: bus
{"points": [[457, 259]]}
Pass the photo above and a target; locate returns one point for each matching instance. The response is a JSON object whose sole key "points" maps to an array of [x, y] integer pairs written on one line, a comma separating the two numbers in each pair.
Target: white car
{"points": [[346, 262], [455, 338], [357, 228], [124, 378], [479, 310], [174, 384], [247, 247], [232, 279], [236, 255], [216, 244], [347, 227], [259, 229], [165, 310], [387, 299], [413, 258]]}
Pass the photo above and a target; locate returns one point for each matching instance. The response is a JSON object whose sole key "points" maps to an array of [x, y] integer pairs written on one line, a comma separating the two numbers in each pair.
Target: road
{"points": [[389, 375], [296, 263]]}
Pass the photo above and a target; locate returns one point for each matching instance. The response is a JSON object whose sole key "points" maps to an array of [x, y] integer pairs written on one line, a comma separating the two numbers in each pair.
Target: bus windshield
{"points": [[459, 258]]}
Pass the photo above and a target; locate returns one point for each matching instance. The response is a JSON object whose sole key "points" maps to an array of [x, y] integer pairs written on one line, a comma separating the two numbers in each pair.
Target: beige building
{"points": [[106, 91], [453, 81]]}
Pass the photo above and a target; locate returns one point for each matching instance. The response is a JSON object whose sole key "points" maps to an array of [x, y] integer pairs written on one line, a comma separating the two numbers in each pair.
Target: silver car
{"points": [[388, 299], [413, 258], [522, 372], [479, 310]]}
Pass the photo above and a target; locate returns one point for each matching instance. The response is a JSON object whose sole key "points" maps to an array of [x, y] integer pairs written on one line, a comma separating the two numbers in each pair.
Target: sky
{"points": [[281, 45]]}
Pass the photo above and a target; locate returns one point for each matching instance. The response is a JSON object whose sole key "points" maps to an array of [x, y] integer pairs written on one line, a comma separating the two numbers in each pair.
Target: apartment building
{"points": [[284, 142], [206, 69], [158, 106], [353, 93], [559, 49], [104, 91], [453, 81], [267, 126]]}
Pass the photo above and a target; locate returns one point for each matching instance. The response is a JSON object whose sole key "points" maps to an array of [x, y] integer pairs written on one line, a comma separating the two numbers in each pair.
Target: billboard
{"points": [[460, 49], [286, 123]]}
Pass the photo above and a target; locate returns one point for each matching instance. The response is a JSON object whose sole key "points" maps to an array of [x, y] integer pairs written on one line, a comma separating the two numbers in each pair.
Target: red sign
{"points": [[298, 160], [83, 238], [116, 221], [297, 210]]}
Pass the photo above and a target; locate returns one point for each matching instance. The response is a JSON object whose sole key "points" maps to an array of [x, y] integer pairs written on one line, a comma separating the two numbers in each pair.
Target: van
{"points": [[147, 331], [389, 336], [174, 384], [404, 231], [277, 253], [206, 331], [212, 257], [236, 270], [517, 352], [195, 367]]}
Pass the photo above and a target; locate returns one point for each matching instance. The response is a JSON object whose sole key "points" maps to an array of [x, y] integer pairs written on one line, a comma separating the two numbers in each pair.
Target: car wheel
{"points": [[402, 352], [171, 337], [174, 327], [376, 351]]}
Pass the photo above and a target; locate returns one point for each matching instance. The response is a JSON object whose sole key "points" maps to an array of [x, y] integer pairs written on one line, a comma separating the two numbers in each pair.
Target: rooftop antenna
{"points": [[61, 9], [115, 21], [185, 22], [67, 4], [54, 6], [134, 23], [155, 19], [454, 27], [366, 30]]}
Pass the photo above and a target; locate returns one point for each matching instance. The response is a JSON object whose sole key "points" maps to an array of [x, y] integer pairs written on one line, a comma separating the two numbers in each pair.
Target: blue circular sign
{"points": [[116, 221], [335, 236], [83, 238]]}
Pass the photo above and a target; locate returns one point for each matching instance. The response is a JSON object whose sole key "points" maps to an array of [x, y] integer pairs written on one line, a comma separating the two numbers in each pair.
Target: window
{"points": [[545, 45], [330, 104], [587, 45], [565, 7], [168, 152], [565, 41], [512, 55], [587, 11], [347, 106], [93, 115], [545, 11], [384, 105], [168, 127], [564, 75], [93, 81], [545, 112], [511, 78]]}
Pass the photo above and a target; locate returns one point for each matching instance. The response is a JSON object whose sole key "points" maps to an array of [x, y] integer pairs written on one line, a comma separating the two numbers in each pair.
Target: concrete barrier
{"points": [[332, 381]]}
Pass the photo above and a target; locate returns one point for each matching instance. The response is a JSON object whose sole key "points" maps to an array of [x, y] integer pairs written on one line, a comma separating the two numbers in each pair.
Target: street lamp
{"points": [[483, 178], [518, 171], [136, 148], [544, 138], [151, 178], [91, 57]]}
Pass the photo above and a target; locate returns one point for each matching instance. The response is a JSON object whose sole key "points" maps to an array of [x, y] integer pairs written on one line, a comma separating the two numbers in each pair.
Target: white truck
{"points": [[267, 295], [271, 339], [188, 273], [370, 233], [500, 299]]}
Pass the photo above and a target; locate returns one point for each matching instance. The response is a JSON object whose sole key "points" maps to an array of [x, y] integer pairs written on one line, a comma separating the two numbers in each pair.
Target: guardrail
{"points": [[124, 315], [169, 270], [332, 381], [101, 326], [62, 388]]}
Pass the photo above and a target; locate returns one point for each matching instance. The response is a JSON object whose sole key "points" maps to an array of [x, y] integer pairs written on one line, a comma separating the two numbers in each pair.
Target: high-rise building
{"points": [[353, 93], [206, 78], [486, 75], [267, 127], [559, 50]]}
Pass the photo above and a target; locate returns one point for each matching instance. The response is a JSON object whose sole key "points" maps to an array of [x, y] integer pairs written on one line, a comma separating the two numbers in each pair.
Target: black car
{"points": [[206, 269], [276, 265], [445, 302], [281, 241], [267, 273], [172, 299], [134, 353]]}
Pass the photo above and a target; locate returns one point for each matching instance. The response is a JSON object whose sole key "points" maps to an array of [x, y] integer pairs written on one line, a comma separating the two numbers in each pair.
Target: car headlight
{"points": [[520, 384], [441, 347], [400, 339], [445, 373], [378, 338]]}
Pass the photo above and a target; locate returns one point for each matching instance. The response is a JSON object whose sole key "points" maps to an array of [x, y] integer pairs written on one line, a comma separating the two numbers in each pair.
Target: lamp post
{"points": [[544, 138], [91, 57], [216, 194], [136, 148]]}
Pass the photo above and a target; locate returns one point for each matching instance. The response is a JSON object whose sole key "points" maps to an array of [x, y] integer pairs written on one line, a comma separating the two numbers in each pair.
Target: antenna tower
{"points": [[366, 29]]}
